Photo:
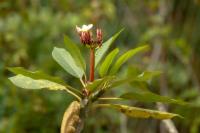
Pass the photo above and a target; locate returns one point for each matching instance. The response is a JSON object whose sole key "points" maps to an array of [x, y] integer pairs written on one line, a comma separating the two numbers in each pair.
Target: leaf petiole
{"points": [[110, 98]]}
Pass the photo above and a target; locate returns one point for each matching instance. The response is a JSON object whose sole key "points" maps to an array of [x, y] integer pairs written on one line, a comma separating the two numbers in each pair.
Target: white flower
{"points": [[84, 28]]}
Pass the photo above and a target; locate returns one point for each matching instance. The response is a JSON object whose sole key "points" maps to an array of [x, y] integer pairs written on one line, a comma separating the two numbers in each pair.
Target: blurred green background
{"points": [[29, 29]]}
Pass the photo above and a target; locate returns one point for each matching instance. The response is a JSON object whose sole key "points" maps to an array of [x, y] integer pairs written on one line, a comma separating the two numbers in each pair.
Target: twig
{"points": [[168, 124], [123, 123]]}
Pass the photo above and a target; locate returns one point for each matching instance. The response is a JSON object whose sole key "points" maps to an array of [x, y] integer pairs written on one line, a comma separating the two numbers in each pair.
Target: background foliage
{"points": [[30, 29]]}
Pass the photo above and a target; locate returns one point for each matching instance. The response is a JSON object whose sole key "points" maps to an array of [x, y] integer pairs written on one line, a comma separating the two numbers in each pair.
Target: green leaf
{"points": [[64, 58], [140, 112], [93, 85], [75, 52], [147, 96], [144, 76], [141, 91], [35, 75], [147, 75], [123, 58], [101, 87], [99, 83], [122, 82], [29, 83], [41, 75], [107, 62], [104, 48]]}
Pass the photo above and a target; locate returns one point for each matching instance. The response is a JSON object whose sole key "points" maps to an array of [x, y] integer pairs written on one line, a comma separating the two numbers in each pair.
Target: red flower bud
{"points": [[87, 38], [99, 35]]}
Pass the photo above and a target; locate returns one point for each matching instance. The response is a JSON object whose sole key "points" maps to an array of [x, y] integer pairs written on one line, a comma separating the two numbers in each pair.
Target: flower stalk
{"points": [[92, 63], [86, 38]]}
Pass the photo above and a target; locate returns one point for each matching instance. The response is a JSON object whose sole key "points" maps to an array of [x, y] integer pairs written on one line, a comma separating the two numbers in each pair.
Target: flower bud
{"points": [[85, 37], [99, 35], [84, 33]]}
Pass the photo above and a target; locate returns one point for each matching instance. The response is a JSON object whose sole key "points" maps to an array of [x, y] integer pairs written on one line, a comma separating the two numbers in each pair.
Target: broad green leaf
{"points": [[104, 48], [101, 88], [141, 91], [147, 96], [75, 52], [147, 75], [35, 75], [107, 62], [64, 58], [41, 75], [144, 76], [125, 81], [123, 58], [29, 83], [122, 82], [133, 70], [93, 85], [99, 83], [140, 112]]}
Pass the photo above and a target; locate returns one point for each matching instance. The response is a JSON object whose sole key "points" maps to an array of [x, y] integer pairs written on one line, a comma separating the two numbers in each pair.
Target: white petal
{"points": [[86, 27], [90, 26], [78, 29]]}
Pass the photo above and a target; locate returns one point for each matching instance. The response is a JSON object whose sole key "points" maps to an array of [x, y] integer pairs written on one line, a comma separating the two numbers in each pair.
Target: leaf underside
{"points": [[35, 75], [75, 52], [29, 83], [65, 59]]}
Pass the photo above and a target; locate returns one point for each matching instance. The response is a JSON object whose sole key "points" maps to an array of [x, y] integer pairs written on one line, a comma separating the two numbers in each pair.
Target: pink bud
{"points": [[85, 37], [99, 35]]}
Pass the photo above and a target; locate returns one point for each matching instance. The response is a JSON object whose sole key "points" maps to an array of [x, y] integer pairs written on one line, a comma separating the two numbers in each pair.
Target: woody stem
{"points": [[92, 62]]}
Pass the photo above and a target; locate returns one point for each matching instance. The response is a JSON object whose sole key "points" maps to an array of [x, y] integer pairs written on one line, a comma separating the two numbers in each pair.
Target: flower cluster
{"points": [[86, 36]]}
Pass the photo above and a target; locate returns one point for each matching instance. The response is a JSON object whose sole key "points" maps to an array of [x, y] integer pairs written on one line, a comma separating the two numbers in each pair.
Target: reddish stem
{"points": [[92, 61]]}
